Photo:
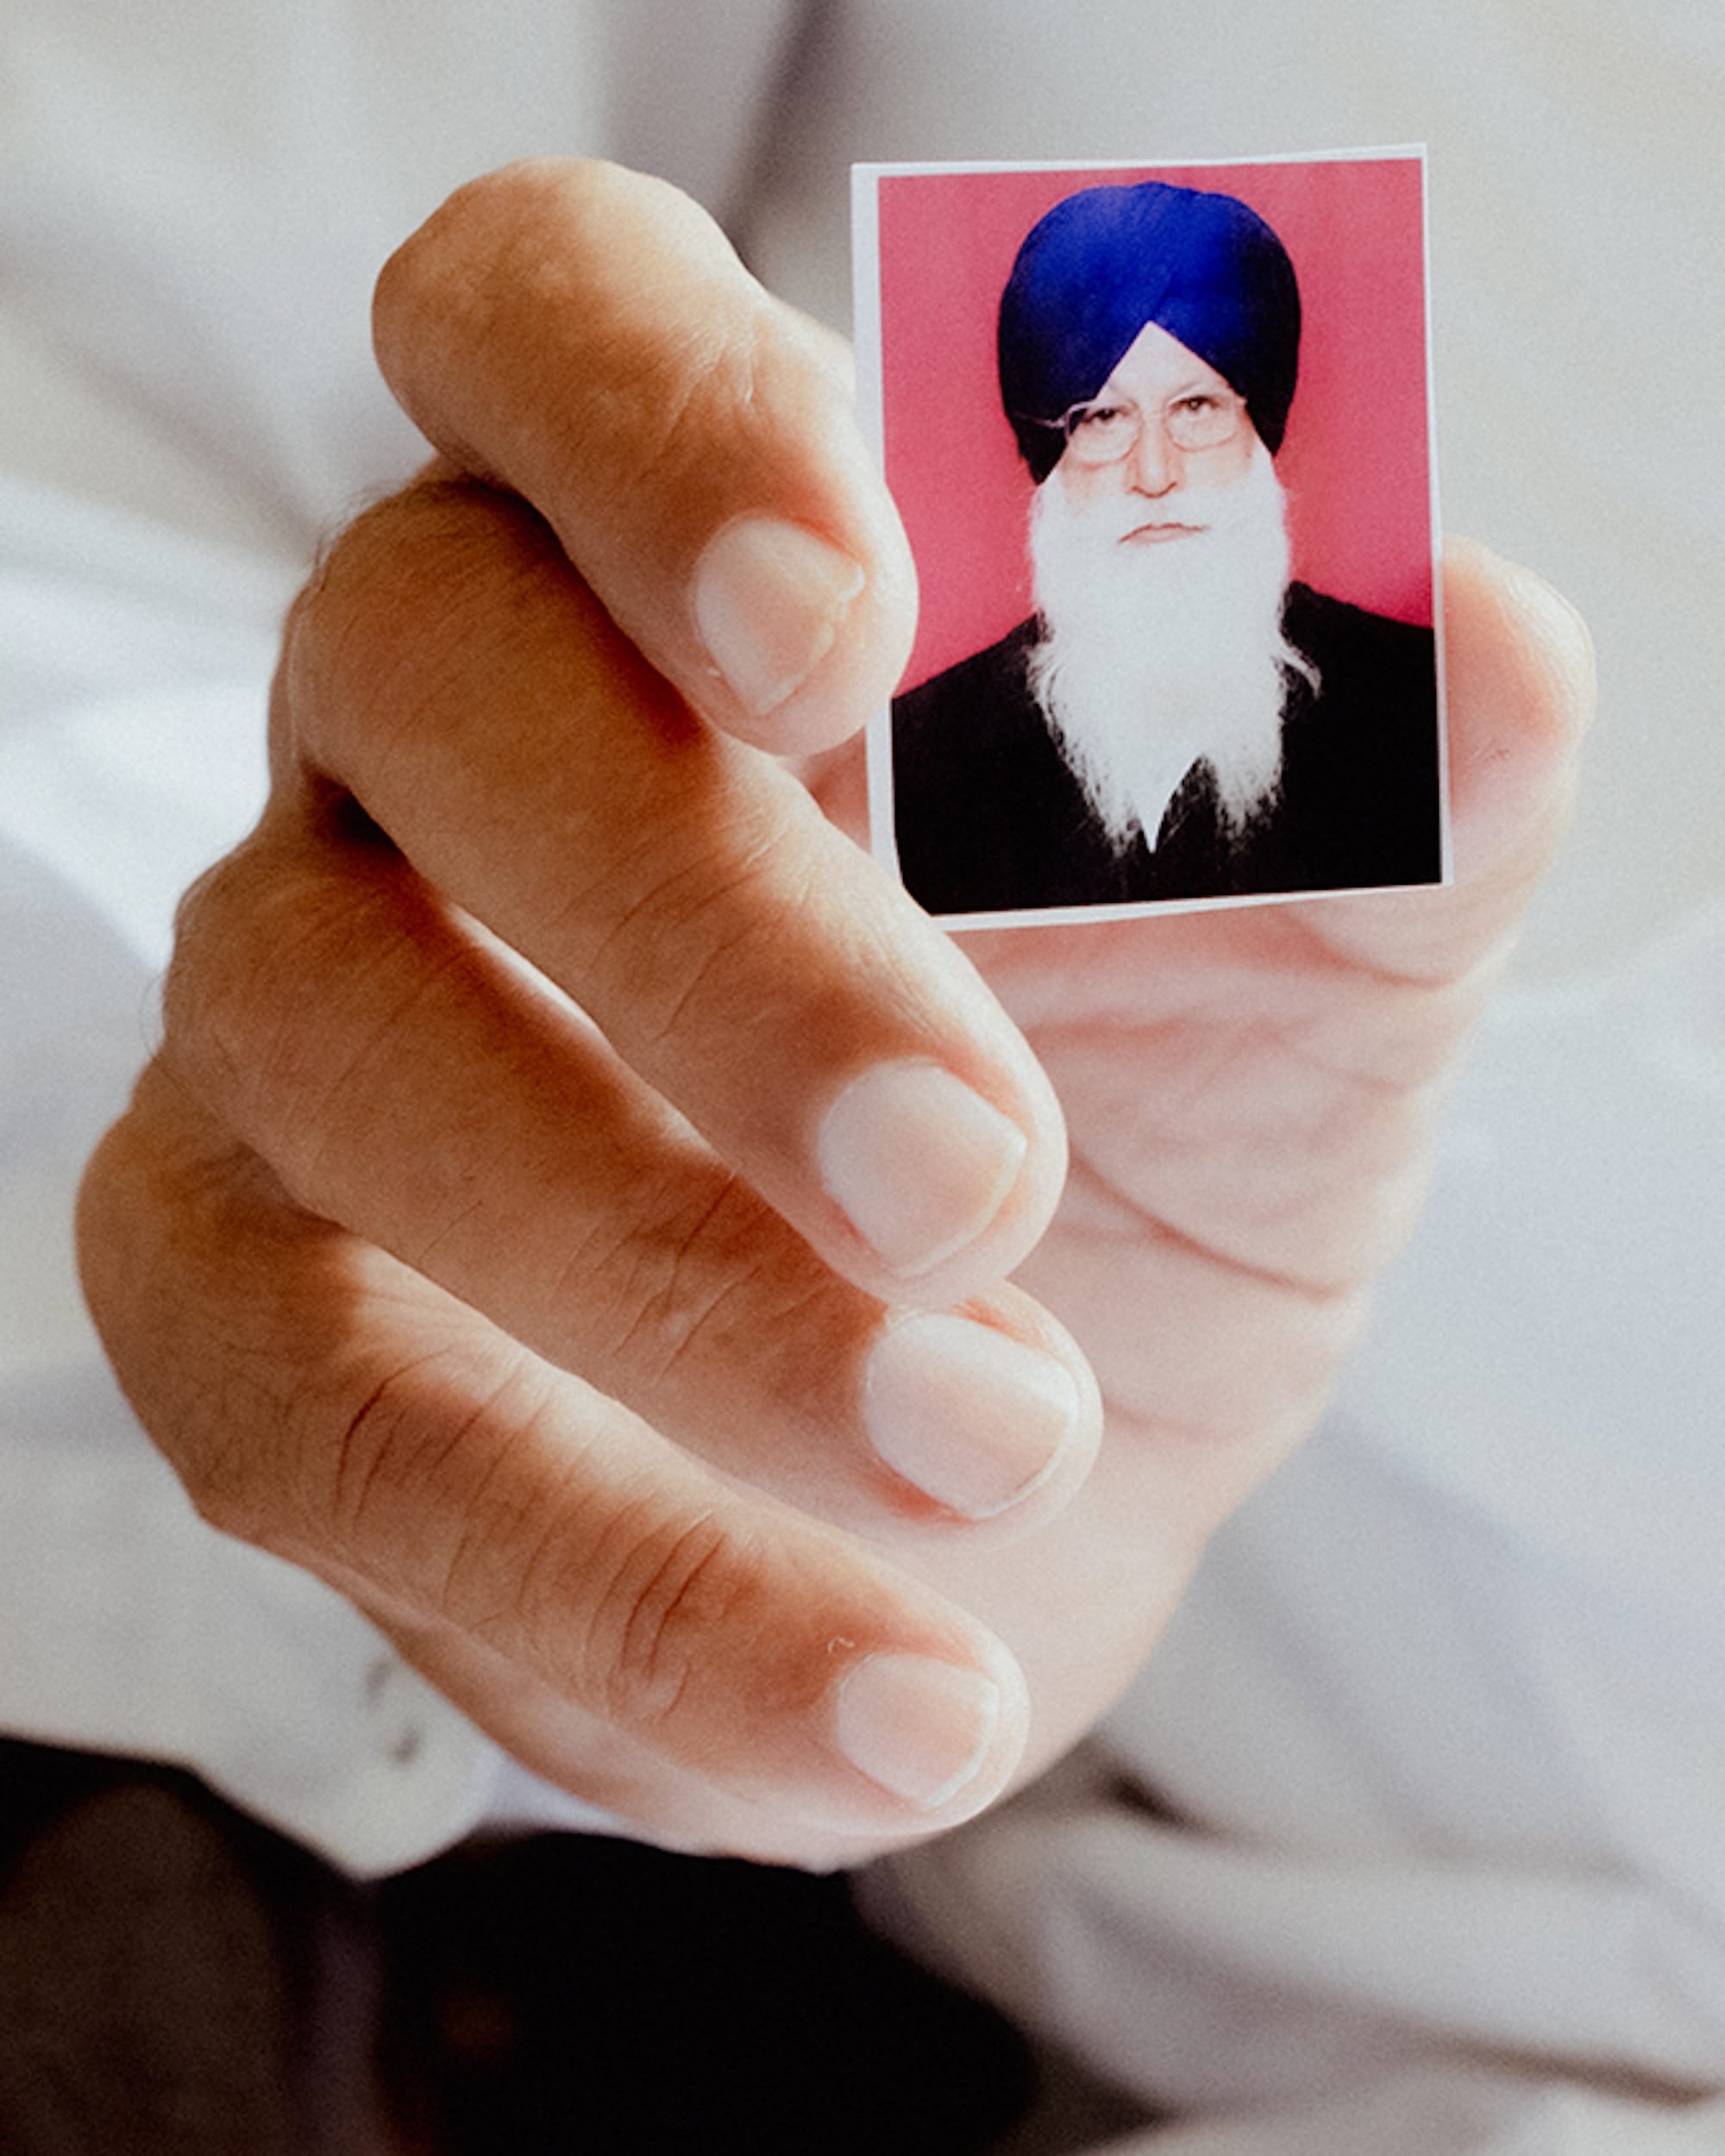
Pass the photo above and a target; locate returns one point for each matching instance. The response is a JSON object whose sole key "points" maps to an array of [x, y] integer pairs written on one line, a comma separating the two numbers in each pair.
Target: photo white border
{"points": [[865, 230]]}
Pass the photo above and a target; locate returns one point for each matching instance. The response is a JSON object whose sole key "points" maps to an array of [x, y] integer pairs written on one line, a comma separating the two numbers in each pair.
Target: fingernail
{"points": [[918, 1164], [919, 1727], [768, 600], [975, 1419]]}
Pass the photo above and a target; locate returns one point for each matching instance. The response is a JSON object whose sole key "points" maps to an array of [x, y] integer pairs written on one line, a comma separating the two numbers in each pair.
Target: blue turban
{"points": [[1103, 263]]}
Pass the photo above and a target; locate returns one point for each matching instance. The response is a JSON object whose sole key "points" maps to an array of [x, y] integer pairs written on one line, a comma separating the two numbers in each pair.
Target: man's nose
{"points": [[1154, 465]]}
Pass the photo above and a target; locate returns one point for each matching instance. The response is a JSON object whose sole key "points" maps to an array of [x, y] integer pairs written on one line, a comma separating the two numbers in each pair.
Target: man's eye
{"points": [[1096, 417], [1200, 401]]}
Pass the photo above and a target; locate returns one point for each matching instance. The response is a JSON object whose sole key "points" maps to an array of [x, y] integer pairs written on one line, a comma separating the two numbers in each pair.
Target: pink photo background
{"points": [[1355, 461]]}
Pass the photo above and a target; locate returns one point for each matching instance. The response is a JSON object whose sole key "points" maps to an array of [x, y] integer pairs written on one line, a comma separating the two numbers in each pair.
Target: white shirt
{"points": [[193, 206], [1427, 1824]]}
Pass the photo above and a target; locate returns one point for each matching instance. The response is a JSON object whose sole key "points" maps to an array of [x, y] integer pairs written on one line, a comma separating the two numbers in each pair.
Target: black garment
{"points": [[176, 1980], [990, 818]]}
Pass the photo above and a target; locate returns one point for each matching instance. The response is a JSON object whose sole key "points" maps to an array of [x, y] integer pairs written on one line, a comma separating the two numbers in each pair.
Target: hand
{"points": [[627, 1330]]}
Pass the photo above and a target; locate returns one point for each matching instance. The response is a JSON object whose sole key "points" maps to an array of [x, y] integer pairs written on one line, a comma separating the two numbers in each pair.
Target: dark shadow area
{"points": [[561, 1996]]}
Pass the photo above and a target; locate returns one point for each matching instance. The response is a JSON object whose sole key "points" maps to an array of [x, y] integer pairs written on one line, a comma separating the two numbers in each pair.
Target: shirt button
{"points": [[392, 1707]]}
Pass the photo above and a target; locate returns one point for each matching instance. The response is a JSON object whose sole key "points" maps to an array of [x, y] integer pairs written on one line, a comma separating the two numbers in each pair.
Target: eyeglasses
{"points": [[1106, 430]]}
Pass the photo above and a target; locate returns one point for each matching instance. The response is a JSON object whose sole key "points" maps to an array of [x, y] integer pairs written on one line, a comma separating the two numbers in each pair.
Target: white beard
{"points": [[1155, 657]]}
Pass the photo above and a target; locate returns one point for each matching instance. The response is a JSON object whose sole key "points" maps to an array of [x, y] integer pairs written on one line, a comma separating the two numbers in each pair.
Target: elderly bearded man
{"points": [[1177, 719]]}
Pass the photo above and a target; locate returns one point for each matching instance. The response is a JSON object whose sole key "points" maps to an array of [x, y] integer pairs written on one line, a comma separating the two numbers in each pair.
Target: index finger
{"points": [[587, 337]]}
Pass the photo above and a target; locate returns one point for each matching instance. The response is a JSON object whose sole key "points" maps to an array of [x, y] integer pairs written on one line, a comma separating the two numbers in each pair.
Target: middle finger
{"points": [[404, 1077], [452, 673]]}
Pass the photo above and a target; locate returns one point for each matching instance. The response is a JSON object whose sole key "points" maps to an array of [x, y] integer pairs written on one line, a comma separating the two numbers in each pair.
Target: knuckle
{"points": [[222, 996], [580, 256], [357, 623], [290, 1377], [671, 1595], [452, 1482], [700, 392], [430, 587], [376, 1432], [454, 247], [404, 1458], [221, 1479], [228, 1448], [539, 230], [282, 993], [702, 1281], [707, 895], [207, 1027], [185, 1256], [676, 1281], [657, 387], [427, 291]]}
